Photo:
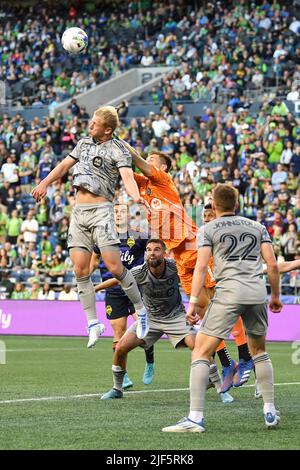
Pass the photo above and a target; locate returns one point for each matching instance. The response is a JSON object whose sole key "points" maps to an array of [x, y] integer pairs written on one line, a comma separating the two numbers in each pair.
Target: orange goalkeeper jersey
{"points": [[167, 217]]}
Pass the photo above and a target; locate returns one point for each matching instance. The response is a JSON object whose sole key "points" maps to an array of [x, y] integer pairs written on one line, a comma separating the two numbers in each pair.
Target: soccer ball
{"points": [[74, 40]]}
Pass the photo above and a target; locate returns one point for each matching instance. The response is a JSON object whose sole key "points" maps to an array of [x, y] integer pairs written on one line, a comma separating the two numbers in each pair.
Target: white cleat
{"points": [[95, 331], [226, 397], [142, 323], [186, 425], [257, 392], [272, 420]]}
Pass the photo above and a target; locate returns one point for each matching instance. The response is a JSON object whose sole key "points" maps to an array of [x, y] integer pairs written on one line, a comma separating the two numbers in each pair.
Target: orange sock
{"points": [[222, 345], [238, 333]]}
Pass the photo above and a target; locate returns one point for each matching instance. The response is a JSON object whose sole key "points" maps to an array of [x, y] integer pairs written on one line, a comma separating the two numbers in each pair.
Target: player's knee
{"points": [[121, 349]]}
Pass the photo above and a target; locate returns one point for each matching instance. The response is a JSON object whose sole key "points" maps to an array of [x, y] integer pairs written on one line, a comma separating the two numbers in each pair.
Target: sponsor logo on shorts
{"points": [[97, 162], [108, 310], [70, 237]]}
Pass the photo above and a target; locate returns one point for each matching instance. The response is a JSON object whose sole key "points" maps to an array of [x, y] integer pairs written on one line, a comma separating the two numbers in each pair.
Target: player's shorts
{"points": [[221, 318], [186, 261], [92, 224], [175, 328], [118, 307]]}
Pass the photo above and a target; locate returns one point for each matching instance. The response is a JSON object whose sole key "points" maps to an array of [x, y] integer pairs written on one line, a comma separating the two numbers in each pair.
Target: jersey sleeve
{"points": [[159, 177], [121, 155], [140, 179], [76, 151], [265, 237], [204, 238]]}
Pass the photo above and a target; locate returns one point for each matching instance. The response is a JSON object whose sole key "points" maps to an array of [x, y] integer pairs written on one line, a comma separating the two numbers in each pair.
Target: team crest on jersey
{"points": [[149, 191], [108, 310], [130, 242], [156, 203], [97, 162]]}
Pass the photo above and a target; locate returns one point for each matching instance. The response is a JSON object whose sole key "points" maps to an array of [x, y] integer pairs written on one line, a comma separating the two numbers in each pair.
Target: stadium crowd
{"points": [[258, 153], [230, 45]]}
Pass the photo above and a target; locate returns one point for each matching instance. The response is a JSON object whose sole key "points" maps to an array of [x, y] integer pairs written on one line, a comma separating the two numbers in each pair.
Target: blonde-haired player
{"points": [[99, 161]]}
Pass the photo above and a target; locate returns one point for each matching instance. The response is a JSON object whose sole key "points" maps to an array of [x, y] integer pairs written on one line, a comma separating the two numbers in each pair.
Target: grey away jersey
{"points": [[236, 247], [161, 296], [98, 164]]}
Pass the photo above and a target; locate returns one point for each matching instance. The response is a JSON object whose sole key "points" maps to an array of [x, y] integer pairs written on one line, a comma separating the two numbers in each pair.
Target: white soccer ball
{"points": [[74, 40]]}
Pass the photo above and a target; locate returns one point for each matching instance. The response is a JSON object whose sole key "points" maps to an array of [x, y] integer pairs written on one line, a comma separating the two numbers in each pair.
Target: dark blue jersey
{"points": [[132, 252]]}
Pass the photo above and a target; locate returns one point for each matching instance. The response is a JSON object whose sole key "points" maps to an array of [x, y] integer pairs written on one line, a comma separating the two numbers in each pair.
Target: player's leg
{"points": [[149, 370], [245, 364], [229, 366], [255, 319], [111, 257], [117, 311], [126, 344], [207, 340], [81, 258]]}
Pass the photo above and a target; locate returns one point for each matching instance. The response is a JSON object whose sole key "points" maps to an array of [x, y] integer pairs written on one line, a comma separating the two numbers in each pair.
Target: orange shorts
{"points": [[186, 261], [210, 280]]}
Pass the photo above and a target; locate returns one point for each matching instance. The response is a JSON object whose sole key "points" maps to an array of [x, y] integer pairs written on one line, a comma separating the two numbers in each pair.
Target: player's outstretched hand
{"points": [[192, 316], [143, 202], [40, 191], [275, 305]]}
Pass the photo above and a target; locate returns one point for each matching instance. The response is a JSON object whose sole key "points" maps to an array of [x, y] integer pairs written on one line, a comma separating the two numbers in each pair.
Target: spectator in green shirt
{"points": [[274, 150], [3, 223], [19, 292], [262, 173], [13, 227]]}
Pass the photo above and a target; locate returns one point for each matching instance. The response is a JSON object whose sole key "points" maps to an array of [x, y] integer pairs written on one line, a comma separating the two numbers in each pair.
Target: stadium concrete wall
{"points": [[66, 318]]}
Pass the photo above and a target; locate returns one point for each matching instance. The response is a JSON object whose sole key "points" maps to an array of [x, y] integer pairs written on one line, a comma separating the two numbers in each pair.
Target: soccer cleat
{"points": [[113, 393], [95, 331], [271, 419], [243, 372], [227, 376], [142, 323], [226, 397], [186, 425], [127, 383], [257, 392], [210, 384], [148, 373]]}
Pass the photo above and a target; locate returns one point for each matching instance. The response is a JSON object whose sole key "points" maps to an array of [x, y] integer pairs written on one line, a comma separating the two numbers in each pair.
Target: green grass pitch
{"points": [[43, 367]]}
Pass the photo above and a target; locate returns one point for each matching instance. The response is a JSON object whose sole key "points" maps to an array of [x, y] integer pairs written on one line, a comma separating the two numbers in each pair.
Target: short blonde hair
{"points": [[110, 116]]}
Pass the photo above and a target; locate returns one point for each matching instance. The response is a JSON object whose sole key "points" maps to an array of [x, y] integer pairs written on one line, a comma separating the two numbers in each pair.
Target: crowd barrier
{"points": [[66, 318]]}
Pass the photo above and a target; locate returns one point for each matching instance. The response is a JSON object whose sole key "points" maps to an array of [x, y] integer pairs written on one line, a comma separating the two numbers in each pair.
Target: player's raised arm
{"points": [[40, 191], [139, 162], [106, 284], [273, 275], [131, 186]]}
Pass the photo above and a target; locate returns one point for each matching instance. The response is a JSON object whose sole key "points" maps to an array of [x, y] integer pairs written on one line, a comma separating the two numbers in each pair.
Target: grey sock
{"points": [[264, 376], [87, 297], [118, 376], [198, 384], [129, 286], [215, 377]]}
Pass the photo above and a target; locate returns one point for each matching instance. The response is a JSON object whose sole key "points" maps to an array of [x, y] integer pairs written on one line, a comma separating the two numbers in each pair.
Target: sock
{"points": [[238, 332], [118, 376], [149, 353], [130, 288], [265, 380], [215, 377], [87, 298], [224, 357], [222, 345], [199, 376], [244, 352]]}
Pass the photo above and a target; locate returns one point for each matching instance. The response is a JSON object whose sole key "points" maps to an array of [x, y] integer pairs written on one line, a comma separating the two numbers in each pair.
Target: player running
{"points": [[99, 161], [238, 245], [117, 304]]}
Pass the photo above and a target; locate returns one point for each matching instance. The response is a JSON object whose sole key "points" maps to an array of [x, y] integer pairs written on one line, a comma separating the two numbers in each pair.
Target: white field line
{"points": [[93, 395]]}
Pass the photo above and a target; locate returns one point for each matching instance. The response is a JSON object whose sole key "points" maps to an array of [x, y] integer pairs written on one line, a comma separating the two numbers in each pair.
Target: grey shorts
{"points": [[92, 224], [175, 328], [221, 318]]}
